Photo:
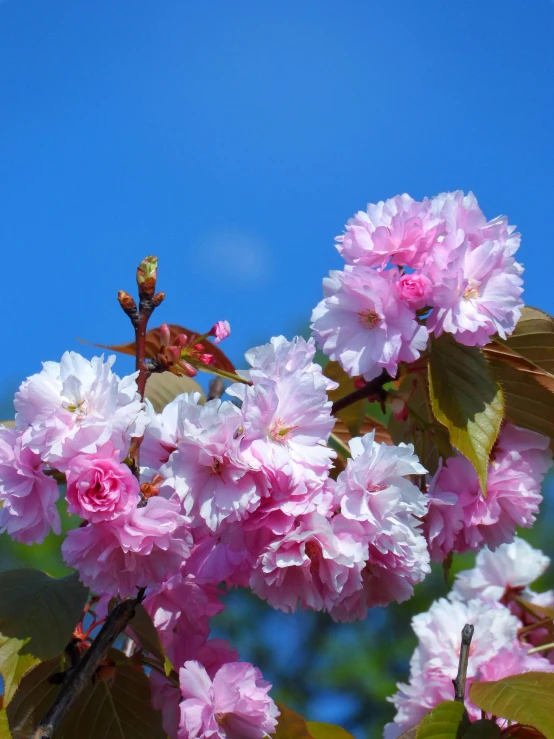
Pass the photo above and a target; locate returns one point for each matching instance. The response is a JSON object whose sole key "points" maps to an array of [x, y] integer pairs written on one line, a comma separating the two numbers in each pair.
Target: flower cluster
{"points": [[487, 598], [461, 518], [231, 493], [415, 268]]}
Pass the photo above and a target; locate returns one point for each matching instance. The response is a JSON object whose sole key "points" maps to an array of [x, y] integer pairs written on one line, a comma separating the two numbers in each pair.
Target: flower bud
{"points": [[199, 347], [220, 330], [206, 358], [165, 334], [181, 340], [187, 369], [127, 303], [147, 273]]}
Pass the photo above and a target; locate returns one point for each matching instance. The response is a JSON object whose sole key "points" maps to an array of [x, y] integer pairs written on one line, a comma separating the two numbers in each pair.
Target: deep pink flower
{"points": [[27, 496], [76, 407], [400, 230], [99, 488], [235, 705], [363, 324], [141, 548], [220, 330], [415, 289]]}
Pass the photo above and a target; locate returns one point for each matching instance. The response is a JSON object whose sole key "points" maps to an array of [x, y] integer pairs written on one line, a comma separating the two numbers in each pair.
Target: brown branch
{"points": [[459, 681], [373, 388], [80, 677]]}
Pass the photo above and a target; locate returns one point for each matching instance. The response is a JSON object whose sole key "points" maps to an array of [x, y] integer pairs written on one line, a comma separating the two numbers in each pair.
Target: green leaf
{"points": [[410, 733], [533, 339], [4, 727], [40, 609], [145, 633], [163, 387], [466, 399], [528, 391], [448, 720], [117, 708], [33, 697], [527, 698], [327, 731], [13, 665], [291, 725], [483, 729]]}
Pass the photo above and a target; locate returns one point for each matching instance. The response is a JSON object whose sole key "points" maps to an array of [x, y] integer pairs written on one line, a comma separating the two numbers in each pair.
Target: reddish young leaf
{"points": [[153, 345]]}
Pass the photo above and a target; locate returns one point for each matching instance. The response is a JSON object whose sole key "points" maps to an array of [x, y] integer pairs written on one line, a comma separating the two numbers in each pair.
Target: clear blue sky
{"points": [[234, 138]]}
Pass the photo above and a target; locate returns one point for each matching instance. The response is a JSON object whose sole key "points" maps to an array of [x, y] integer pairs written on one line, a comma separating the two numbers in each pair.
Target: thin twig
{"points": [[80, 677], [459, 681], [373, 388]]}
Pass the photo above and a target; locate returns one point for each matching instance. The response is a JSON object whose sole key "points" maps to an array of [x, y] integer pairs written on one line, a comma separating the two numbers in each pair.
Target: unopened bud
{"points": [[127, 303], [199, 347], [206, 358], [181, 340], [187, 368], [173, 353], [359, 382], [158, 299], [165, 334], [147, 273]]}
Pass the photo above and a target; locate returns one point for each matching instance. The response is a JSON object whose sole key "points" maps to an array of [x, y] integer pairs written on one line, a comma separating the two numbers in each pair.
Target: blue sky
{"points": [[234, 139]]}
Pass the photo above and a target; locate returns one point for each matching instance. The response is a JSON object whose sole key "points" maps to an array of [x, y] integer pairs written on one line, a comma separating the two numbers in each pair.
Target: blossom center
{"points": [[222, 718], [471, 290], [313, 552], [279, 431], [369, 318]]}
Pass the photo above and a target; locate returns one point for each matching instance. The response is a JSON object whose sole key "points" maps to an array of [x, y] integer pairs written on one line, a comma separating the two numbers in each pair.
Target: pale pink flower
{"points": [[178, 420], [363, 324], [76, 407], [220, 330], [235, 705], [139, 549], [315, 565], [477, 282], [281, 357], [100, 488], [400, 230], [374, 490], [512, 566], [461, 518], [434, 663], [512, 661], [415, 289], [207, 471], [286, 424], [27, 496]]}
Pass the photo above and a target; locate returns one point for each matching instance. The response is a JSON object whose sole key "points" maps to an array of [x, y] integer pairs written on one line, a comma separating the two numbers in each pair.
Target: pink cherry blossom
{"points": [[477, 282], [461, 519], [415, 289], [76, 407], [178, 420], [315, 565], [235, 705], [280, 357], [139, 549], [400, 230], [208, 472], [512, 566], [221, 330], [99, 488], [363, 324], [286, 424], [27, 496], [374, 490], [434, 663]]}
